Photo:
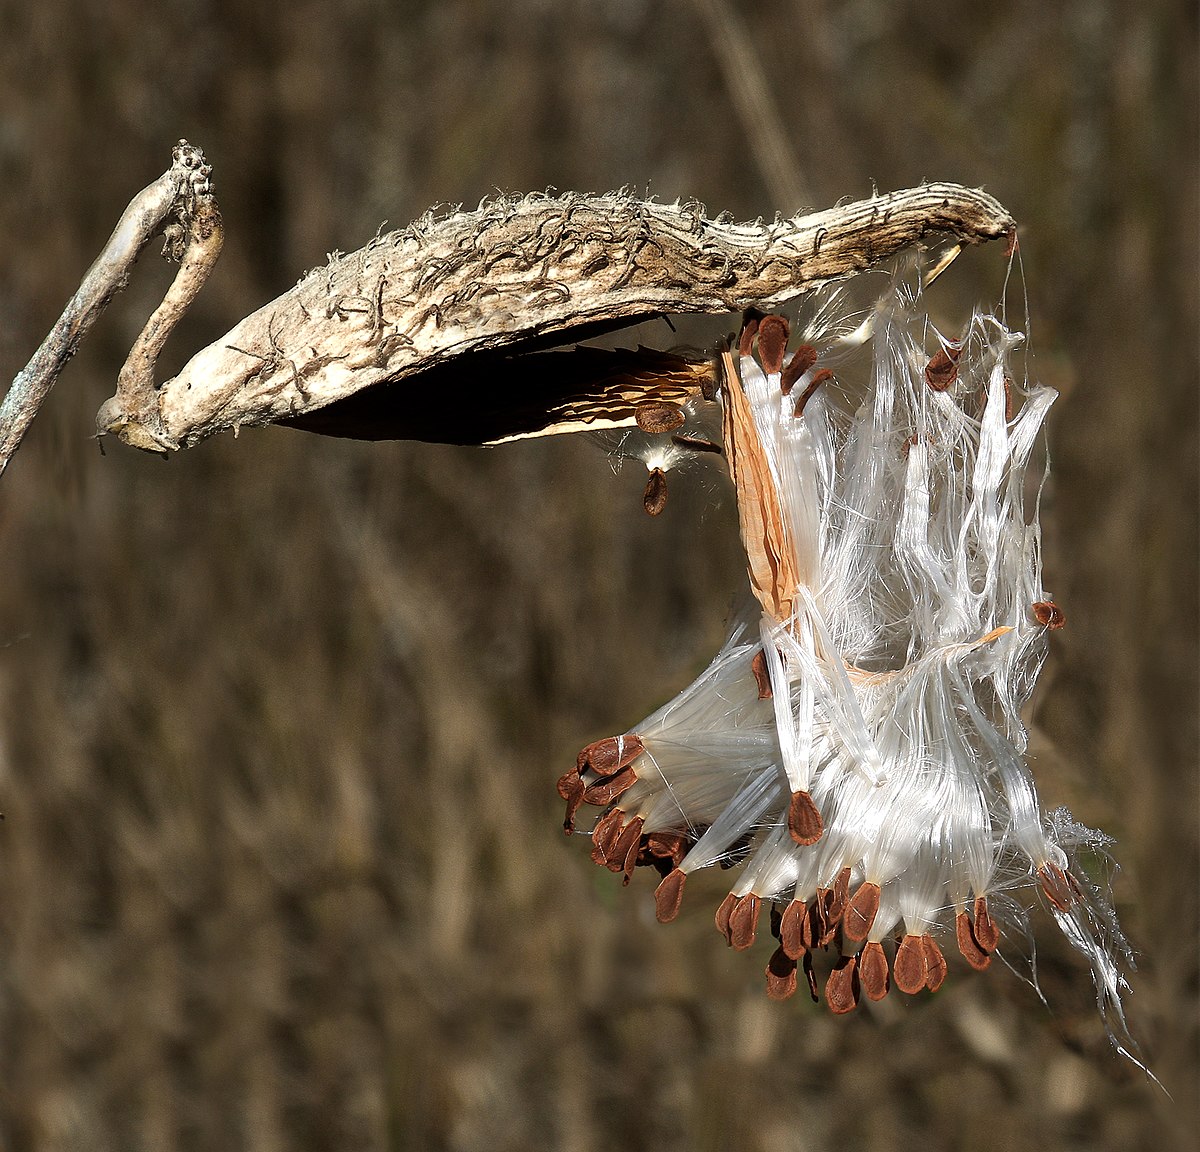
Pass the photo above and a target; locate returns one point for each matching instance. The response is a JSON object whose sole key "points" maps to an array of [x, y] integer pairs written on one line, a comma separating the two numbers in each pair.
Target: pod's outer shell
{"points": [[464, 296]]}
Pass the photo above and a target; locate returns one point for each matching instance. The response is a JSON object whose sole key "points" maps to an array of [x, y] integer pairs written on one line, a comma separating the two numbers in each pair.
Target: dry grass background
{"points": [[280, 719]]}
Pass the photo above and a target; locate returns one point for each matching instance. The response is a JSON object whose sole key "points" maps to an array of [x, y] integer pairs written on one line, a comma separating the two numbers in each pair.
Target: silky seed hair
{"points": [[859, 738]]}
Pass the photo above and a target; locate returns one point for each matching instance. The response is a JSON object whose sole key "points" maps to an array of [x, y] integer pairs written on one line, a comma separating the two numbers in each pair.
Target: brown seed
{"points": [[818, 379], [909, 967], [654, 496], [935, 963], [791, 929], [608, 756], [671, 846], [606, 791], [983, 928], [658, 416], [773, 332], [841, 989], [942, 369], [625, 850], [1048, 614], [781, 975], [669, 895], [968, 946], [743, 922], [695, 443], [762, 675], [804, 819], [571, 789], [821, 920], [860, 912], [722, 917], [802, 360], [605, 834], [839, 897], [1055, 885], [873, 971]]}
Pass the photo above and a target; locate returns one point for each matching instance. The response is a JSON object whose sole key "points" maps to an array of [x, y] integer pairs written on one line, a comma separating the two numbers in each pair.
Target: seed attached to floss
{"points": [[605, 836], [942, 369], [802, 360], [909, 967], [1049, 615], [773, 332], [695, 443], [743, 922], [671, 846], [781, 975], [841, 989], [606, 791], [804, 820], [968, 946], [860, 912], [724, 909], [669, 895], [873, 971], [818, 379], [762, 677], [935, 963], [608, 756], [625, 850], [654, 498], [658, 416], [898, 712], [983, 927], [1059, 886], [791, 929]]}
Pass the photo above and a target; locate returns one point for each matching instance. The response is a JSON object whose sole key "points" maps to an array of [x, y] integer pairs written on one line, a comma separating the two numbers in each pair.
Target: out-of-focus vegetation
{"points": [[280, 718]]}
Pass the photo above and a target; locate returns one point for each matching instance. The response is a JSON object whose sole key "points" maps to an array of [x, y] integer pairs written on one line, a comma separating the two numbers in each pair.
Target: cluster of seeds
{"points": [[857, 744]]}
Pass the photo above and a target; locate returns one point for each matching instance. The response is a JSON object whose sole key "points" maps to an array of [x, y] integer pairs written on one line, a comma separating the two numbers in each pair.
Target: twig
{"points": [[178, 187]]}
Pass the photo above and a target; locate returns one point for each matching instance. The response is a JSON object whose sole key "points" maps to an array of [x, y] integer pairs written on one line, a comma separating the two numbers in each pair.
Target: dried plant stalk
{"points": [[516, 275]]}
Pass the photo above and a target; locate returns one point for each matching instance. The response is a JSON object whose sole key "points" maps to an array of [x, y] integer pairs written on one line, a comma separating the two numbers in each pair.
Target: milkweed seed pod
{"points": [[858, 739]]}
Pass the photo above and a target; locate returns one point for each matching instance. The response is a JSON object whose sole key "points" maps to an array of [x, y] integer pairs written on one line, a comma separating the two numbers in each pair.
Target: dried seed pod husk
{"points": [[425, 333]]}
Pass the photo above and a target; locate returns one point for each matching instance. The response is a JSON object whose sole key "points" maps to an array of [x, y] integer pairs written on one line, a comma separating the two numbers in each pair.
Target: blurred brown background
{"points": [[280, 718]]}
